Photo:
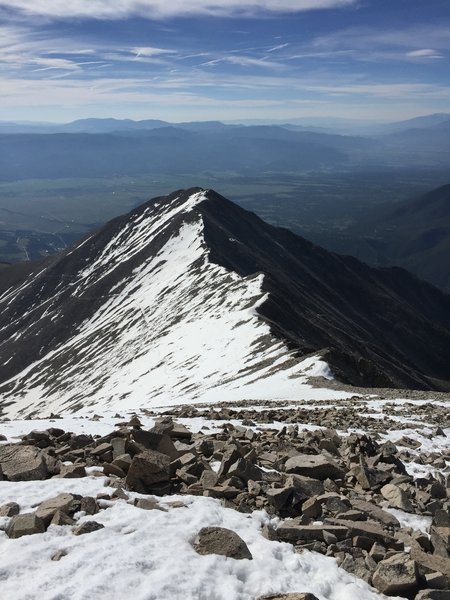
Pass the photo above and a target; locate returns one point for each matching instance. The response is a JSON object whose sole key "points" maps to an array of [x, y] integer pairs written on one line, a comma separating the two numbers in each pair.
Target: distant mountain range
{"points": [[191, 296], [110, 147], [321, 125]]}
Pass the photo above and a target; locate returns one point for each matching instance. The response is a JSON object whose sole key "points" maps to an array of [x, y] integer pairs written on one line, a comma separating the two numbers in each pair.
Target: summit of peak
{"points": [[191, 296]]}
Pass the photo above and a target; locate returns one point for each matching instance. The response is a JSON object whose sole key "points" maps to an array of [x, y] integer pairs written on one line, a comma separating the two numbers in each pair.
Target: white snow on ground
{"points": [[178, 329], [415, 522], [147, 555]]}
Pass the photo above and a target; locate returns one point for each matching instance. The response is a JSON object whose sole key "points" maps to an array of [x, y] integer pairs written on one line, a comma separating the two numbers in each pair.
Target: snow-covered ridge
{"points": [[176, 329]]}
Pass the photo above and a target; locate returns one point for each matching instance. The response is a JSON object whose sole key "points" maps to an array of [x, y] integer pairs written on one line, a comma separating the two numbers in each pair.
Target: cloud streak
{"points": [[425, 53], [154, 9]]}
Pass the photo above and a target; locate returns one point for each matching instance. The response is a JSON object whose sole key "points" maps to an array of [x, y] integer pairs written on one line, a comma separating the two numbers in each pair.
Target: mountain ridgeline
{"points": [[190, 295]]}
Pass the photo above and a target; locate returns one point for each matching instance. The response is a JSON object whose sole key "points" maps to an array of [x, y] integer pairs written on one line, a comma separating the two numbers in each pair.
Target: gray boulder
{"points": [[22, 463], [9, 510], [396, 575], [314, 466], [47, 509], [87, 527], [396, 497], [26, 524], [147, 469], [218, 540]]}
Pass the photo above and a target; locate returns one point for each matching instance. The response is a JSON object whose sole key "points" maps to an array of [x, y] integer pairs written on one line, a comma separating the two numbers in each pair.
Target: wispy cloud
{"points": [[245, 61], [106, 9], [279, 47], [367, 43], [150, 52], [425, 53]]}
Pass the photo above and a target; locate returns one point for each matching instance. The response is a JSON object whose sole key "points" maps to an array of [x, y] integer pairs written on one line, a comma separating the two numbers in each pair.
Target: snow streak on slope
{"points": [[175, 330]]}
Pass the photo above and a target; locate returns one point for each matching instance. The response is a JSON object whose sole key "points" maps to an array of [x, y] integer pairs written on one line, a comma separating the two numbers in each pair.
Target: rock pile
{"points": [[332, 494]]}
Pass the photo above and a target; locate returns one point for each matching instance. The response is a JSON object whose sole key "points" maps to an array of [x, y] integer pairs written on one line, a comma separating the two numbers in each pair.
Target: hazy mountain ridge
{"points": [[417, 235]]}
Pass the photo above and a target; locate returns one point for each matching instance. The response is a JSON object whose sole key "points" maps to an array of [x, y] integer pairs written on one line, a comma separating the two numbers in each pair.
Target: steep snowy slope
{"points": [[168, 325], [190, 297]]}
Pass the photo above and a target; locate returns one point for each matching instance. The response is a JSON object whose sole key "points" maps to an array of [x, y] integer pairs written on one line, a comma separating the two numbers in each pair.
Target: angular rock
{"points": [[280, 498], [89, 505], [230, 456], [25, 524], [146, 470], [208, 479], [77, 442], [102, 449], [71, 472], [440, 539], [22, 463], [123, 461], [218, 540], [396, 497], [61, 518], [157, 442], [396, 575], [376, 513], [292, 532], [366, 529], [148, 504], [87, 527], [118, 446], [112, 469], [245, 470], [314, 466], [9, 510], [305, 487], [47, 509]]}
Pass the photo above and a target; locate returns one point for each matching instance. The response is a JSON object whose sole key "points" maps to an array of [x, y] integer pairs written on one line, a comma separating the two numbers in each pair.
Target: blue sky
{"points": [[181, 60]]}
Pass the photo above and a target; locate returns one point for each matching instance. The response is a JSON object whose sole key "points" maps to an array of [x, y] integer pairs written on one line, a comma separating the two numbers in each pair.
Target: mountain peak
{"points": [[191, 297]]}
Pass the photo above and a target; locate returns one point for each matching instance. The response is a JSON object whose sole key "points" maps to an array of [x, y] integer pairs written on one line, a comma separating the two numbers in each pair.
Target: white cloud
{"points": [[107, 9], [426, 53], [149, 51]]}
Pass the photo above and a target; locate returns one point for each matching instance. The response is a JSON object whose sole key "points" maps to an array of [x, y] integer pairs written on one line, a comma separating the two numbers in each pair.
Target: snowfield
{"points": [[147, 554]]}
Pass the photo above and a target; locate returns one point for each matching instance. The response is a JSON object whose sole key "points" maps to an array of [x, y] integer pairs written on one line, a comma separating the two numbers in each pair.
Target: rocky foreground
{"points": [[347, 495]]}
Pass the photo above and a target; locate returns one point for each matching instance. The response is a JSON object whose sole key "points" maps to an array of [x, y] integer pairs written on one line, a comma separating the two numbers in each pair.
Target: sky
{"points": [[186, 60]]}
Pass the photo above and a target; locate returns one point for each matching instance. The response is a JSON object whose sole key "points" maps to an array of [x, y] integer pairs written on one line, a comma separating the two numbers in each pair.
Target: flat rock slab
{"points": [[22, 463], [310, 533], [218, 540], [366, 529], [315, 466]]}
